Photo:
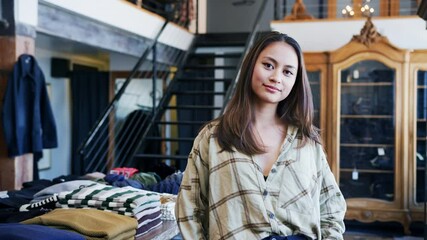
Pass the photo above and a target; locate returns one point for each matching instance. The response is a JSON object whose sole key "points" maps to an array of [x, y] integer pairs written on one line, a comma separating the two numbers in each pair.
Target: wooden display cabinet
{"points": [[368, 125], [370, 101]]}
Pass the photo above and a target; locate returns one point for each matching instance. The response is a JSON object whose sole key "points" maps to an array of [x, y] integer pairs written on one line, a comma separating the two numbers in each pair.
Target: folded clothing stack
{"points": [[126, 201], [47, 198]]}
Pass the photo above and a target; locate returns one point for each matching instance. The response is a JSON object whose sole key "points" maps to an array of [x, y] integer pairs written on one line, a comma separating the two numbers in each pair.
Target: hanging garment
{"points": [[28, 121]]}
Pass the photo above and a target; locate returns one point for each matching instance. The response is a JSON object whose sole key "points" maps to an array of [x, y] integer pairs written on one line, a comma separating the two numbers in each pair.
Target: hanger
{"points": [[27, 51], [26, 44]]}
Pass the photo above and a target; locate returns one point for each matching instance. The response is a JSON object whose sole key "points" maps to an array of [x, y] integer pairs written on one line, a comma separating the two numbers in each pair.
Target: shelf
{"points": [[366, 84], [421, 138], [422, 86], [368, 170], [369, 116], [420, 168]]}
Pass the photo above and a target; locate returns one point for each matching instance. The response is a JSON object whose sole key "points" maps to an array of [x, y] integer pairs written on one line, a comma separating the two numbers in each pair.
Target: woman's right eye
{"points": [[268, 66]]}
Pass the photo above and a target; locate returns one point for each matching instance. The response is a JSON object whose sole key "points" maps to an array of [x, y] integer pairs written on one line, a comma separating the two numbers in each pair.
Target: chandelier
{"points": [[364, 9]]}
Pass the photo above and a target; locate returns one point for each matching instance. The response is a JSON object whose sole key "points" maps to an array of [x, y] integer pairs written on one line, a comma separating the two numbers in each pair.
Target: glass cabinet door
{"points": [[367, 131], [314, 79], [421, 142]]}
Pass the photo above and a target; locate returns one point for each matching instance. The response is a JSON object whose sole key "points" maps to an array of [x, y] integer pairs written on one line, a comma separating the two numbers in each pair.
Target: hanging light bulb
{"points": [[365, 9], [347, 11]]}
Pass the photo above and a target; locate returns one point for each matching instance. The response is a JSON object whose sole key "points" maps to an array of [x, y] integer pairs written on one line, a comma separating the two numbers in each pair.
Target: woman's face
{"points": [[274, 73]]}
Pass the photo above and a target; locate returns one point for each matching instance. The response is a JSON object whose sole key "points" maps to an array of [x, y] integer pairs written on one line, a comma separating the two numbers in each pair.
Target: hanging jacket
{"points": [[28, 122]]}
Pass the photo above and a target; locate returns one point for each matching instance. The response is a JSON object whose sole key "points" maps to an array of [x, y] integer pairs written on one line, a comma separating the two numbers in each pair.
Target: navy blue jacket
{"points": [[28, 122]]}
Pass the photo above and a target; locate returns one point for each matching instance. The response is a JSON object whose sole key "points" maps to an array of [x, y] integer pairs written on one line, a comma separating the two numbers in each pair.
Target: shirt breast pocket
{"points": [[299, 189]]}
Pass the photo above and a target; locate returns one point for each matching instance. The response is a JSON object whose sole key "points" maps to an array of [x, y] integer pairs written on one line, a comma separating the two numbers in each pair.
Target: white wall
{"points": [[316, 36], [26, 11]]}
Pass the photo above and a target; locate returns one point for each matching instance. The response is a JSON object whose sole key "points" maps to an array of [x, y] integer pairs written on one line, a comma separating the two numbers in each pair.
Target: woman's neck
{"points": [[265, 117]]}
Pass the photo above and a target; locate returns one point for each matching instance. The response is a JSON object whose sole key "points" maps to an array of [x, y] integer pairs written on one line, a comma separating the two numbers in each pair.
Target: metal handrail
{"points": [[158, 111], [116, 98]]}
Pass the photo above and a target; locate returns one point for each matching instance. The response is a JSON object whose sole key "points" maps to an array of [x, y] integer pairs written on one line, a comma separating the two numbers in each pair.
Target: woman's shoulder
{"points": [[208, 130]]}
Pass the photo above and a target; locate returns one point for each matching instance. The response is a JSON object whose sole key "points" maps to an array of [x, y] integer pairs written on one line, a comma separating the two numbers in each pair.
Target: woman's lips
{"points": [[272, 88]]}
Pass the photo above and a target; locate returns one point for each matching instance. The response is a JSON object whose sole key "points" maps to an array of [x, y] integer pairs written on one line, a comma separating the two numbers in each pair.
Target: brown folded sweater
{"points": [[93, 223]]}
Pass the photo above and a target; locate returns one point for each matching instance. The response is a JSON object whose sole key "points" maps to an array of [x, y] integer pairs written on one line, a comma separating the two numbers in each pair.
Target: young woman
{"points": [[259, 171]]}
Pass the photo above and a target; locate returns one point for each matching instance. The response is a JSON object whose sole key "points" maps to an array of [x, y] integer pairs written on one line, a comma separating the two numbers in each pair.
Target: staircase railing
{"points": [[159, 112], [116, 135]]}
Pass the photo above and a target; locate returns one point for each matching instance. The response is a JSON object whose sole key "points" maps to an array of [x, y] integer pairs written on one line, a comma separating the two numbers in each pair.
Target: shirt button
{"points": [[273, 170], [271, 215], [265, 193]]}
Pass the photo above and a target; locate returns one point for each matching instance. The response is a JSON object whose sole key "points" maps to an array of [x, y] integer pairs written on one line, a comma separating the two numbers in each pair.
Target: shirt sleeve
{"points": [[191, 208], [332, 205]]}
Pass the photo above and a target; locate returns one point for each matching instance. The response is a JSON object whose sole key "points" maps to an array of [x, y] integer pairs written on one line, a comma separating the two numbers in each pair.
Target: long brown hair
{"points": [[235, 126]]}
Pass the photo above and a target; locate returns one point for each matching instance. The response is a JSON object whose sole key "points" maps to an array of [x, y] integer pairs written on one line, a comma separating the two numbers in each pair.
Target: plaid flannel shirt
{"points": [[224, 195]]}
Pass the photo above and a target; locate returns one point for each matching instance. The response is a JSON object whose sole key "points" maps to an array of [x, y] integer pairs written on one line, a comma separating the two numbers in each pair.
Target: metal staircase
{"points": [[194, 97]]}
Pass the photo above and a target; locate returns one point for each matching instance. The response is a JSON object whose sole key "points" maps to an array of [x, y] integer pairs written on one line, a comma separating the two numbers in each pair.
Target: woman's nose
{"points": [[275, 77]]}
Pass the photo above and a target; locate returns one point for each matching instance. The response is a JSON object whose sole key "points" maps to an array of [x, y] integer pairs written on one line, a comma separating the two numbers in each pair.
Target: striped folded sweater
{"points": [[126, 200]]}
